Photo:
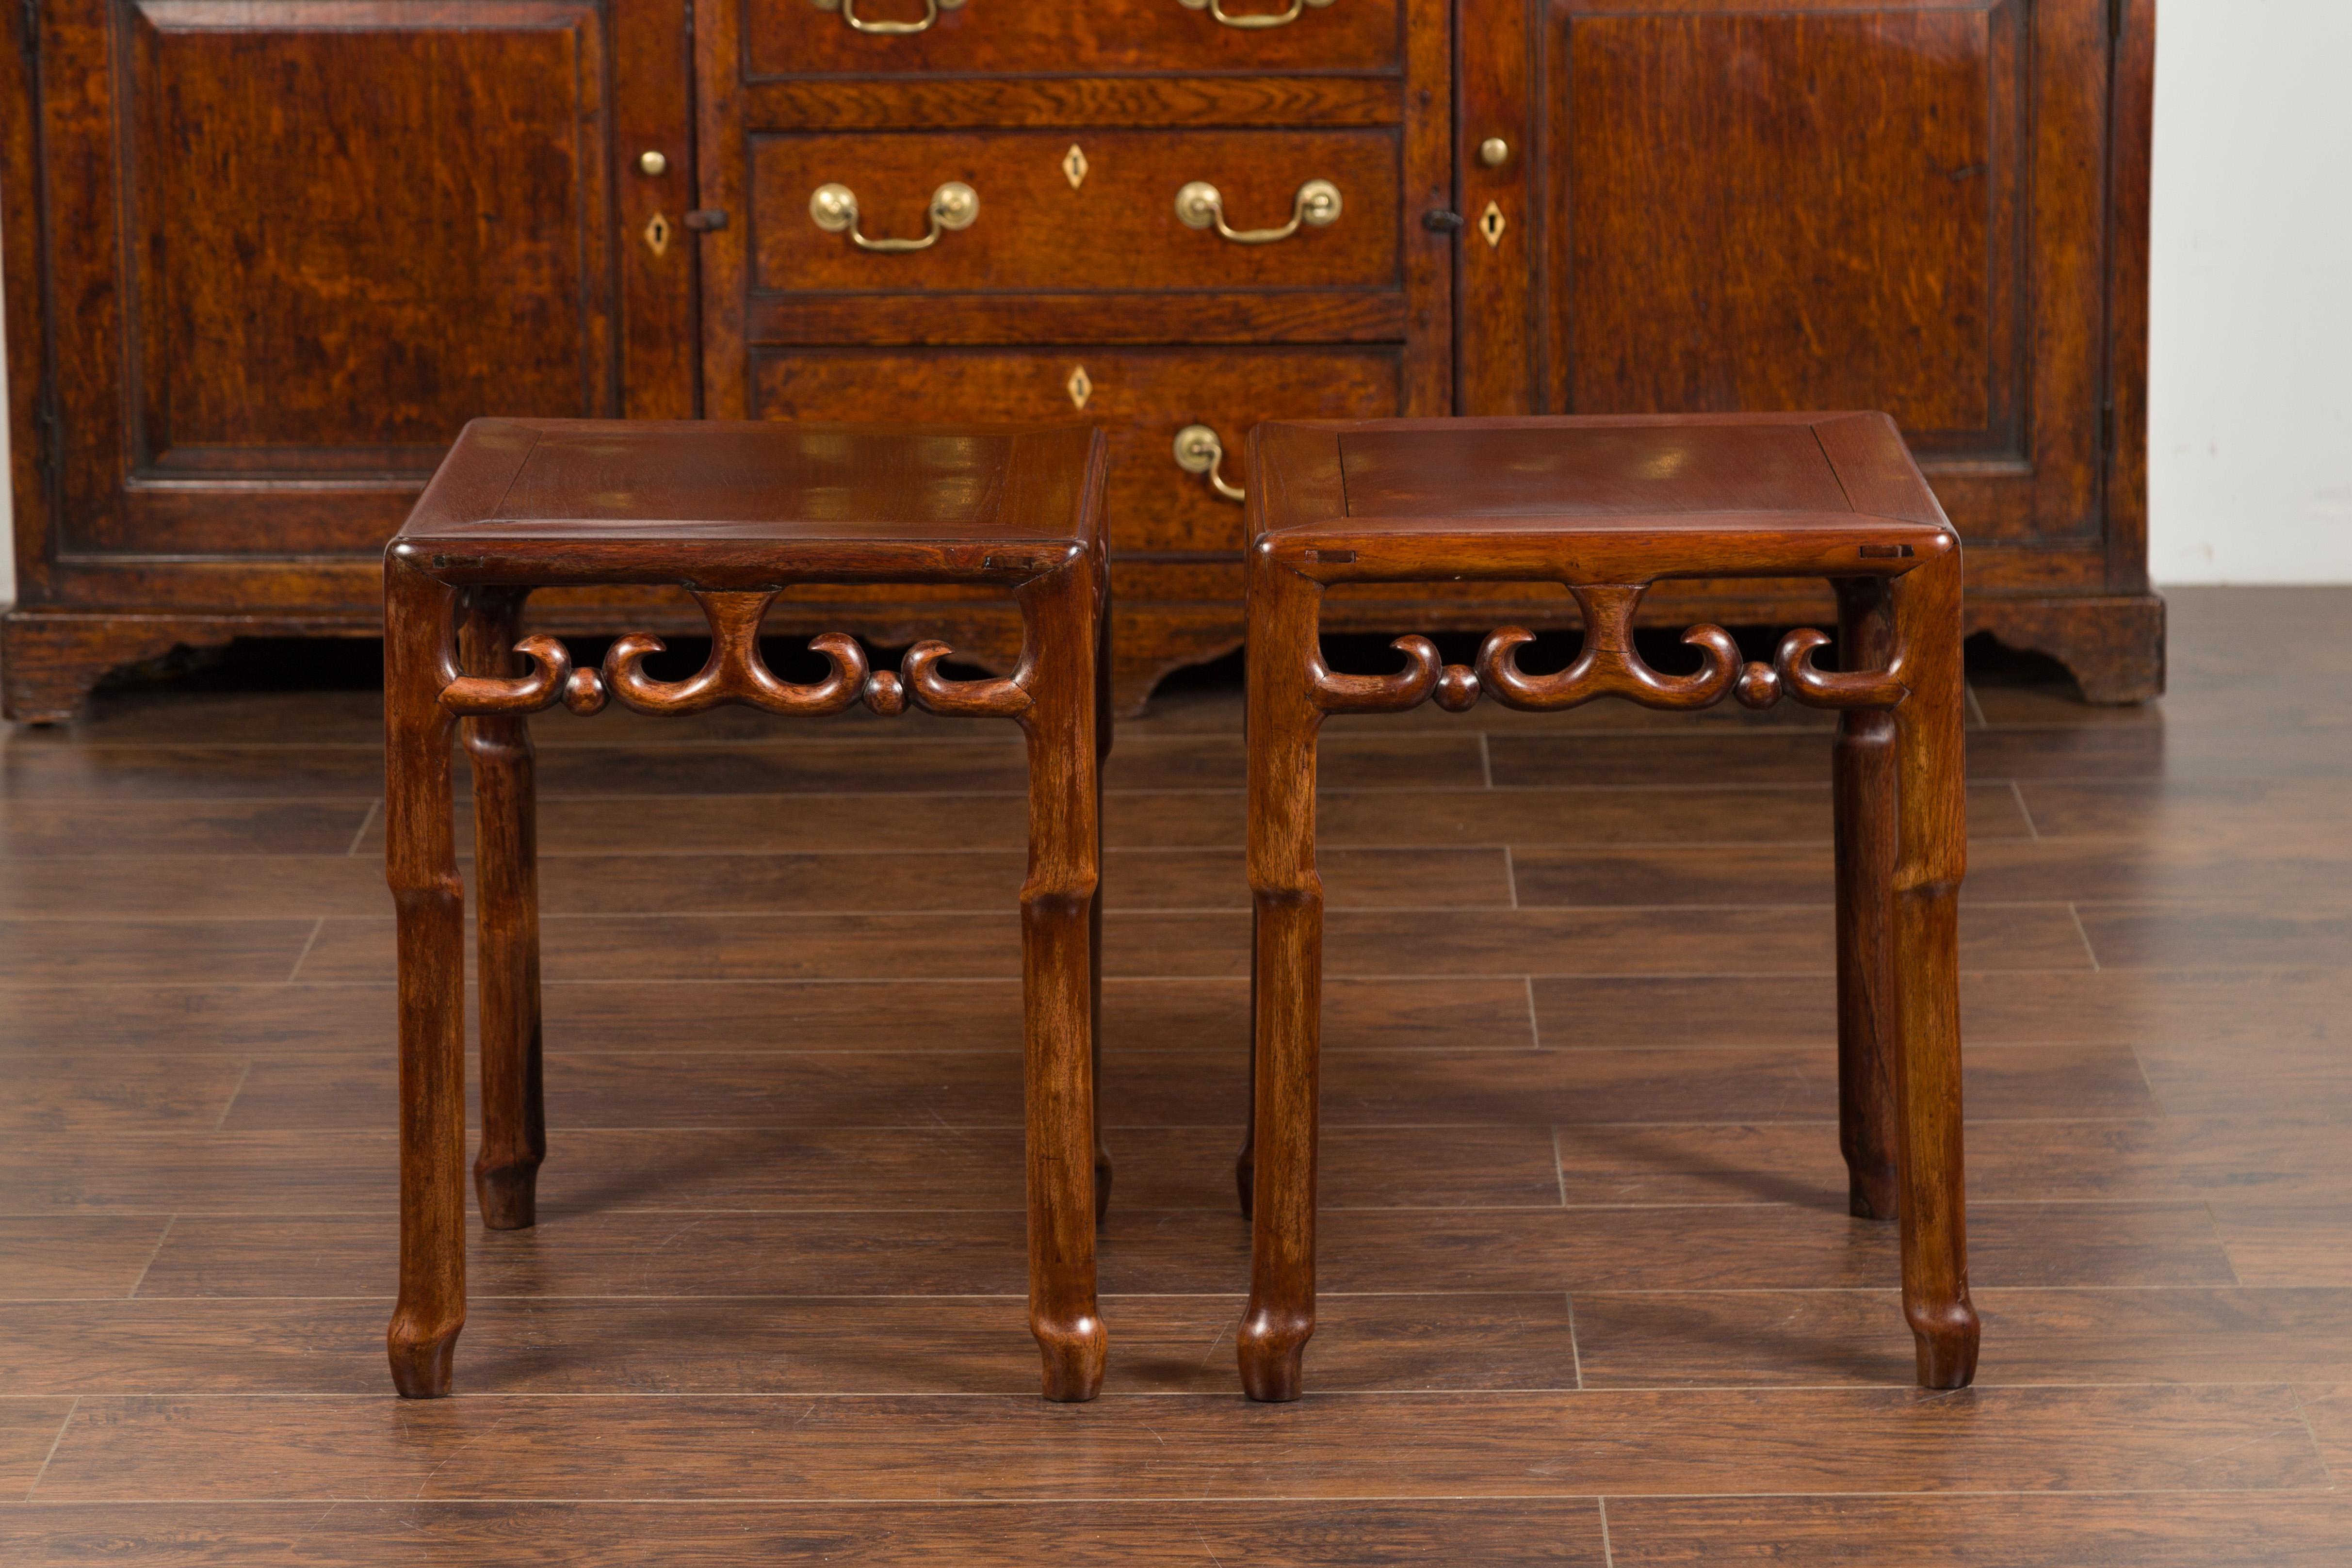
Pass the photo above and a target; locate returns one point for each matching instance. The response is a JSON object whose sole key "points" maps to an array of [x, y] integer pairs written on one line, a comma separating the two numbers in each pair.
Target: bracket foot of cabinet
{"points": [[2114, 643], [50, 659]]}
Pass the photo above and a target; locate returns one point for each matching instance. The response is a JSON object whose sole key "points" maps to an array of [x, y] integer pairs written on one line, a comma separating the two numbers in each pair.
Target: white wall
{"points": [[2250, 439], [2250, 459]]}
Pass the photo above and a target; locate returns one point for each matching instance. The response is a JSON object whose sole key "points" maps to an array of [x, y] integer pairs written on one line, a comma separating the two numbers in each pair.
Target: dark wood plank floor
{"points": [[1593, 1297]]}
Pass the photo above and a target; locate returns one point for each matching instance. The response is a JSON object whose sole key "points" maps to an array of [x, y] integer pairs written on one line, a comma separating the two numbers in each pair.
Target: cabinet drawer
{"points": [[1114, 226], [787, 38], [1141, 397]]}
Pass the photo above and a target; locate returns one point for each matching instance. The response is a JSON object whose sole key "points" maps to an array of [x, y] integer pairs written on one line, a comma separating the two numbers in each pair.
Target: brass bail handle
{"points": [[932, 9], [1317, 206], [1252, 22], [834, 209], [1198, 451]]}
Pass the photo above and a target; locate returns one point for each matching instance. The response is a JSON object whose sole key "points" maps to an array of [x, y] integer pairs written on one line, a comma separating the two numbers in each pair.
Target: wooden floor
{"points": [[1592, 1293]]}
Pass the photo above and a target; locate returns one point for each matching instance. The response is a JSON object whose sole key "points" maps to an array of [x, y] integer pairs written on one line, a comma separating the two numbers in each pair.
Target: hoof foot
{"points": [[1073, 1353], [1947, 1345], [509, 1196], [1273, 1352], [421, 1367]]}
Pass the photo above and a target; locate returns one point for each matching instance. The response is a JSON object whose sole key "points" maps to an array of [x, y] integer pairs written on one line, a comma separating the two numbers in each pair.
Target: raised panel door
{"points": [[1715, 205], [302, 244]]}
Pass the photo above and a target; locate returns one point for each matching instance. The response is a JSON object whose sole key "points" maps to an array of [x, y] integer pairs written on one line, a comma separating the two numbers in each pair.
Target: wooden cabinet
{"points": [[264, 256]]}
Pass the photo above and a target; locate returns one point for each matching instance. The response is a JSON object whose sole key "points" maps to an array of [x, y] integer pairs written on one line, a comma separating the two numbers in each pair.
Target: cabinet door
{"points": [[294, 245], [1724, 205]]}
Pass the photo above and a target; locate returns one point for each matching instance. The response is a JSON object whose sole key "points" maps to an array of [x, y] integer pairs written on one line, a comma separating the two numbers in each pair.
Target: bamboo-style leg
{"points": [[1864, 796], [1931, 857], [1095, 906], [1057, 949], [506, 884], [1245, 1163], [1287, 988], [421, 865]]}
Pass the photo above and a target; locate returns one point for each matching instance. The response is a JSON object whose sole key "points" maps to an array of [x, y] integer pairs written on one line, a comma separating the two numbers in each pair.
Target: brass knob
{"points": [[1494, 152], [651, 163]]}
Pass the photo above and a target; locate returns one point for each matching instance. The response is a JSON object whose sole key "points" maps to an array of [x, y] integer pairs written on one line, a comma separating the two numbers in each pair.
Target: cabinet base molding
{"points": [[2114, 643], [50, 659]]}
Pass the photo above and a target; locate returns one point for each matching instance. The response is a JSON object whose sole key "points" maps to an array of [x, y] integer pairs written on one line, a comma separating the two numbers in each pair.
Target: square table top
{"points": [[567, 500], [1633, 496]]}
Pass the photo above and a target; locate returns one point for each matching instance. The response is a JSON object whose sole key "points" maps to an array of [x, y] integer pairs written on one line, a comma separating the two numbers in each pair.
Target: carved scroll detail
{"points": [[548, 683], [996, 697], [734, 673], [1410, 687], [1608, 664], [1793, 671]]}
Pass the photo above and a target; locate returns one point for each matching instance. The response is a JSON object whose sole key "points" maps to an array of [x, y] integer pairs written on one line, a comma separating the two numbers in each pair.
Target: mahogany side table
{"points": [[733, 513], [1607, 506]]}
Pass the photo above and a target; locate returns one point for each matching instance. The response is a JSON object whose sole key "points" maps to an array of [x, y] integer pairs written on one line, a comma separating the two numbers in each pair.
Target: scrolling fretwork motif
{"points": [[734, 673], [1607, 665]]}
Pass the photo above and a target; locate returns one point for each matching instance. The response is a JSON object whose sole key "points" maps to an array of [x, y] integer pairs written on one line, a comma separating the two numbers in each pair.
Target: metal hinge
{"points": [[703, 219], [1439, 220], [32, 29], [2116, 18]]}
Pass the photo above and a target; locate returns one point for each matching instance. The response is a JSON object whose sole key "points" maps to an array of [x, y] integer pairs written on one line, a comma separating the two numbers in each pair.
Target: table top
{"points": [[1642, 495], [594, 500]]}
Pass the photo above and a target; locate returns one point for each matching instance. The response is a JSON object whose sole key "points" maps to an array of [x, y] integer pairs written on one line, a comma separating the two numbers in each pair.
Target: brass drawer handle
{"points": [[1317, 206], [834, 209], [932, 9], [1198, 451], [1250, 23]]}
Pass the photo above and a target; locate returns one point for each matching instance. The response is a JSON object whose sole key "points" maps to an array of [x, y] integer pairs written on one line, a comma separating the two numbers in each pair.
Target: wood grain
{"points": [[94, 1256], [2270, 1530], [1170, 1344], [602, 1247], [716, 1448], [1667, 1339], [1554, 1532], [1363, 943], [30, 1428]]}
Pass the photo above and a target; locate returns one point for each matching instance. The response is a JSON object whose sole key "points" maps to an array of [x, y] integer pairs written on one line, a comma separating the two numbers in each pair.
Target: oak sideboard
{"points": [[265, 258]]}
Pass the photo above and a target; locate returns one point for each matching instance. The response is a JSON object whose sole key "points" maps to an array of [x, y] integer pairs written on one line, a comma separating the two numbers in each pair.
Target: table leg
{"points": [[1058, 948], [1931, 857], [505, 879], [1245, 1163], [1286, 989], [421, 865], [1095, 906], [1864, 808]]}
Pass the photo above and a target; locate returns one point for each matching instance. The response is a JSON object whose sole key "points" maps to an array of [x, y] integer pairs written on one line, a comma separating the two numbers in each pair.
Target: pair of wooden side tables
{"points": [[738, 513]]}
